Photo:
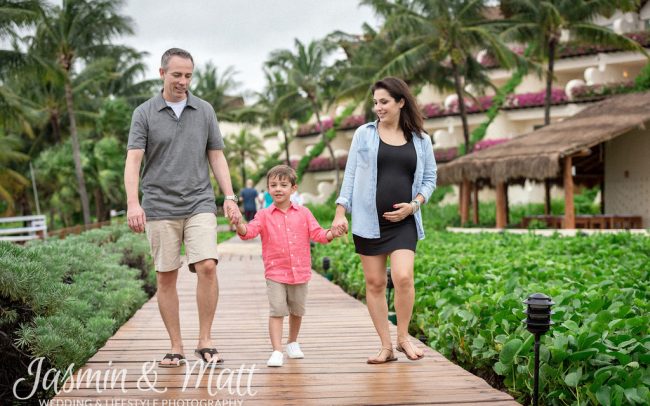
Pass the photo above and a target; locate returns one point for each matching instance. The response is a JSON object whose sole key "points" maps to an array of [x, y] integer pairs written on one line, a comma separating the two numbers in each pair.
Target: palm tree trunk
{"points": [[76, 151], [328, 145], [286, 142], [549, 81], [461, 104], [56, 128]]}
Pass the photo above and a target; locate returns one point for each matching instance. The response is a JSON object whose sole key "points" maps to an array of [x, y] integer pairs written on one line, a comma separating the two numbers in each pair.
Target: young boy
{"points": [[286, 230]]}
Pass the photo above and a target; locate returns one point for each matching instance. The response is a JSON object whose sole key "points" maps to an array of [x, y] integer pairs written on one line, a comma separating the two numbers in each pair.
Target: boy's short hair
{"points": [[282, 172]]}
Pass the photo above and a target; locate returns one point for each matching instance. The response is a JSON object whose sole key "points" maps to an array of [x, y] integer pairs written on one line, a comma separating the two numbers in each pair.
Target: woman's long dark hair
{"points": [[410, 118]]}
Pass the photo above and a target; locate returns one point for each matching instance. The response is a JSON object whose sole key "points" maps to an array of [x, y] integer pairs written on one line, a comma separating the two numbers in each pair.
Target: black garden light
{"points": [[538, 322], [326, 264]]}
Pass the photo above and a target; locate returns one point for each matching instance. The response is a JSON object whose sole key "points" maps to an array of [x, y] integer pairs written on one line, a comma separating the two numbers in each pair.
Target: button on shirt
{"points": [[285, 242]]}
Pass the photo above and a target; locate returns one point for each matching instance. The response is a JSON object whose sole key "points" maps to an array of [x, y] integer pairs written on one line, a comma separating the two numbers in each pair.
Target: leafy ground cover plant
{"points": [[469, 308]]}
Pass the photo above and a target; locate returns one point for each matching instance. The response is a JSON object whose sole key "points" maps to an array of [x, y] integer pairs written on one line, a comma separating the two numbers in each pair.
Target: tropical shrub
{"points": [[62, 299]]}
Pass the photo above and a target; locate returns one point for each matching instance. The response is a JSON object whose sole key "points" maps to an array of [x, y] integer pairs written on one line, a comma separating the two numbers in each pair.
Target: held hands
{"points": [[403, 210], [231, 210], [339, 226], [136, 217]]}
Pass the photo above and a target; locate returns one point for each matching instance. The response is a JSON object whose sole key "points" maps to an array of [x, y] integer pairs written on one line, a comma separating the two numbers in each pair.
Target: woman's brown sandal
{"points": [[400, 348], [390, 357]]}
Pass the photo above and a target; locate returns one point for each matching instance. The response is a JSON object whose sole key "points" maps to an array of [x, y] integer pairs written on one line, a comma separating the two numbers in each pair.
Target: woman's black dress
{"points": [[395, 171]]}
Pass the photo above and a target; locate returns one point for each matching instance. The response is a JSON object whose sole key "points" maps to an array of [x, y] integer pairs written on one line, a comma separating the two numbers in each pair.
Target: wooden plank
{"points": [[337, 336]]}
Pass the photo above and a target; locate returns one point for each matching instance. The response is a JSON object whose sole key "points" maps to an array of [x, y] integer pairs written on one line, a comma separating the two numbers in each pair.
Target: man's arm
{"points": [[221, 172], [134, 213]]}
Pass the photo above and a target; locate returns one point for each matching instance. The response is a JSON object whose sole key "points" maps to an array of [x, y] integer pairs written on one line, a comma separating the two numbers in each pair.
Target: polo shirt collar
{"points": [[192, 101]]}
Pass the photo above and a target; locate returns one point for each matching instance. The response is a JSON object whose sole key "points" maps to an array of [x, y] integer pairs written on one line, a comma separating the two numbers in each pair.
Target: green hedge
{"points": [[470, 290], [62, 299]]}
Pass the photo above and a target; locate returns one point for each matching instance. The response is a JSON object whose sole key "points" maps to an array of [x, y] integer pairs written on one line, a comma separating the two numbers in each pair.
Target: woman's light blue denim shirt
{"points": [[359, 188]]}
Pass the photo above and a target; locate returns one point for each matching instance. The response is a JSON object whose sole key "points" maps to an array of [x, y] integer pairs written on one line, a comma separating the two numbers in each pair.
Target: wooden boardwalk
{"points": [[337, 336]]}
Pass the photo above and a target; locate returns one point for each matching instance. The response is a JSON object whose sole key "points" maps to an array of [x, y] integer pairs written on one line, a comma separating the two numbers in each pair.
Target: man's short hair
{"points": [[282, 172], [164, 61]]}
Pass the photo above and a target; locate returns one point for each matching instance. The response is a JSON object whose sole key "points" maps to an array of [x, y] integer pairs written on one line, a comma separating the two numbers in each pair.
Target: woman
{"points": [[390, 172]]}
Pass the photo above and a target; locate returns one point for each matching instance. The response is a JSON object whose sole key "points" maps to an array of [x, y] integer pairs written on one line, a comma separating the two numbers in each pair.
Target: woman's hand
{"points": [[403, 211], [340, 222]]}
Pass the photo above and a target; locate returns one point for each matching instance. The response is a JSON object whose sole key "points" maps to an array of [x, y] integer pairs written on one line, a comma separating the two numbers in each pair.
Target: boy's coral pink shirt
{"points": [[285, 242]]}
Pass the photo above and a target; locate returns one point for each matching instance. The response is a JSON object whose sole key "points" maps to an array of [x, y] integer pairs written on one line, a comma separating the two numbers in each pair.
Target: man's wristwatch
{"points": [[234, 198]]}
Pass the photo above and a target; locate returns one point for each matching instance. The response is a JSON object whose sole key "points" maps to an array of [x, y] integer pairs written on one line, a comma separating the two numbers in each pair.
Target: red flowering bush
{"points": [[534, 99], [353, 121], [573, 49], [314, 128], [433, 110], [603, 89], [322, 163], [471, 106]]}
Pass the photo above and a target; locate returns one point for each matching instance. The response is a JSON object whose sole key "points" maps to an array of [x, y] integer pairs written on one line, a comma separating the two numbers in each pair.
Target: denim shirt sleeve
{"points": [[345, 197], [430, 175]]}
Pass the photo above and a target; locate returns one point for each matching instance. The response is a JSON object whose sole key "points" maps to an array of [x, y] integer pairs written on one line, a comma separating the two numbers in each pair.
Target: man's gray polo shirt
{"points": [[175, 179]]}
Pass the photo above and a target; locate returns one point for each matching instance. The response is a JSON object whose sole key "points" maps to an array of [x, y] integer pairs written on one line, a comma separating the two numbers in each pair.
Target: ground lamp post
{"points": [[326, 267], [538, 323]]}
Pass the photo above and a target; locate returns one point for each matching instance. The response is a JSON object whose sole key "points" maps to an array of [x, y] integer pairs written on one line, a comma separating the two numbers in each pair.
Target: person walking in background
{"points": [[286, 229], [390, 173], [249, 197], [178, 136]]}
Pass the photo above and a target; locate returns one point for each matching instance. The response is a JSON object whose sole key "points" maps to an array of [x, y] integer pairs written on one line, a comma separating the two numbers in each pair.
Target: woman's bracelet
{"points": [[415, 204]]}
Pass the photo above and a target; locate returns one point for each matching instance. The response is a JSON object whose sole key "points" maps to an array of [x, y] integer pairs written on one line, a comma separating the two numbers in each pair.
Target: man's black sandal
{"points": [[172, 357], [212, 351]]}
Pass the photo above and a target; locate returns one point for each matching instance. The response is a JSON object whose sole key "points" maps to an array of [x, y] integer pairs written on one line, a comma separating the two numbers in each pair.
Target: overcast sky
{"points": [[240, 33]]}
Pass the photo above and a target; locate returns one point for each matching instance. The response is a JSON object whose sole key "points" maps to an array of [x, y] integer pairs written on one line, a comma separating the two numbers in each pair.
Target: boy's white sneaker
{"points": [[293, 350], [276, 359]]}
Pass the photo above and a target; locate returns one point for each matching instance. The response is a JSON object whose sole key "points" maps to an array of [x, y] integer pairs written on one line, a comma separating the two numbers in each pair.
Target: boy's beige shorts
{"points": [[199, 233], [285, 298]]}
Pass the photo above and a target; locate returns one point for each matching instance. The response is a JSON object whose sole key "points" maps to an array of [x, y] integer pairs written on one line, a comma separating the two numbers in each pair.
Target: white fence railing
{"points": [[33, 227]]}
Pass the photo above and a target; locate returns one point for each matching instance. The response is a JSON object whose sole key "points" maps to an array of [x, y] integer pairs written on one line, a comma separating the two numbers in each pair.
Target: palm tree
{"points": [[307, 70], [541, 23], [366, 56], [242, 148], [15, 14], [279, 104], [217, 89], [78, 30], [438, 40]]}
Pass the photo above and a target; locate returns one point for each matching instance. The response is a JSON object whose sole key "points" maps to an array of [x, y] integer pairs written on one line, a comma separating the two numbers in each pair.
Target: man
{"points": [[249, 196], [178, 135]]}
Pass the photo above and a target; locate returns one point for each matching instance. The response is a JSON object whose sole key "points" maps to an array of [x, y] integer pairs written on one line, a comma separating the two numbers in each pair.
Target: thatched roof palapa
{"points": [[537, 155]]}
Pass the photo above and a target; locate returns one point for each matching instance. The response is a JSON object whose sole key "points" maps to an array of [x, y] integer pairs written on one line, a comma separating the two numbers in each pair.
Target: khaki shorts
{"points": [[199, 233], [285, 298]]}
